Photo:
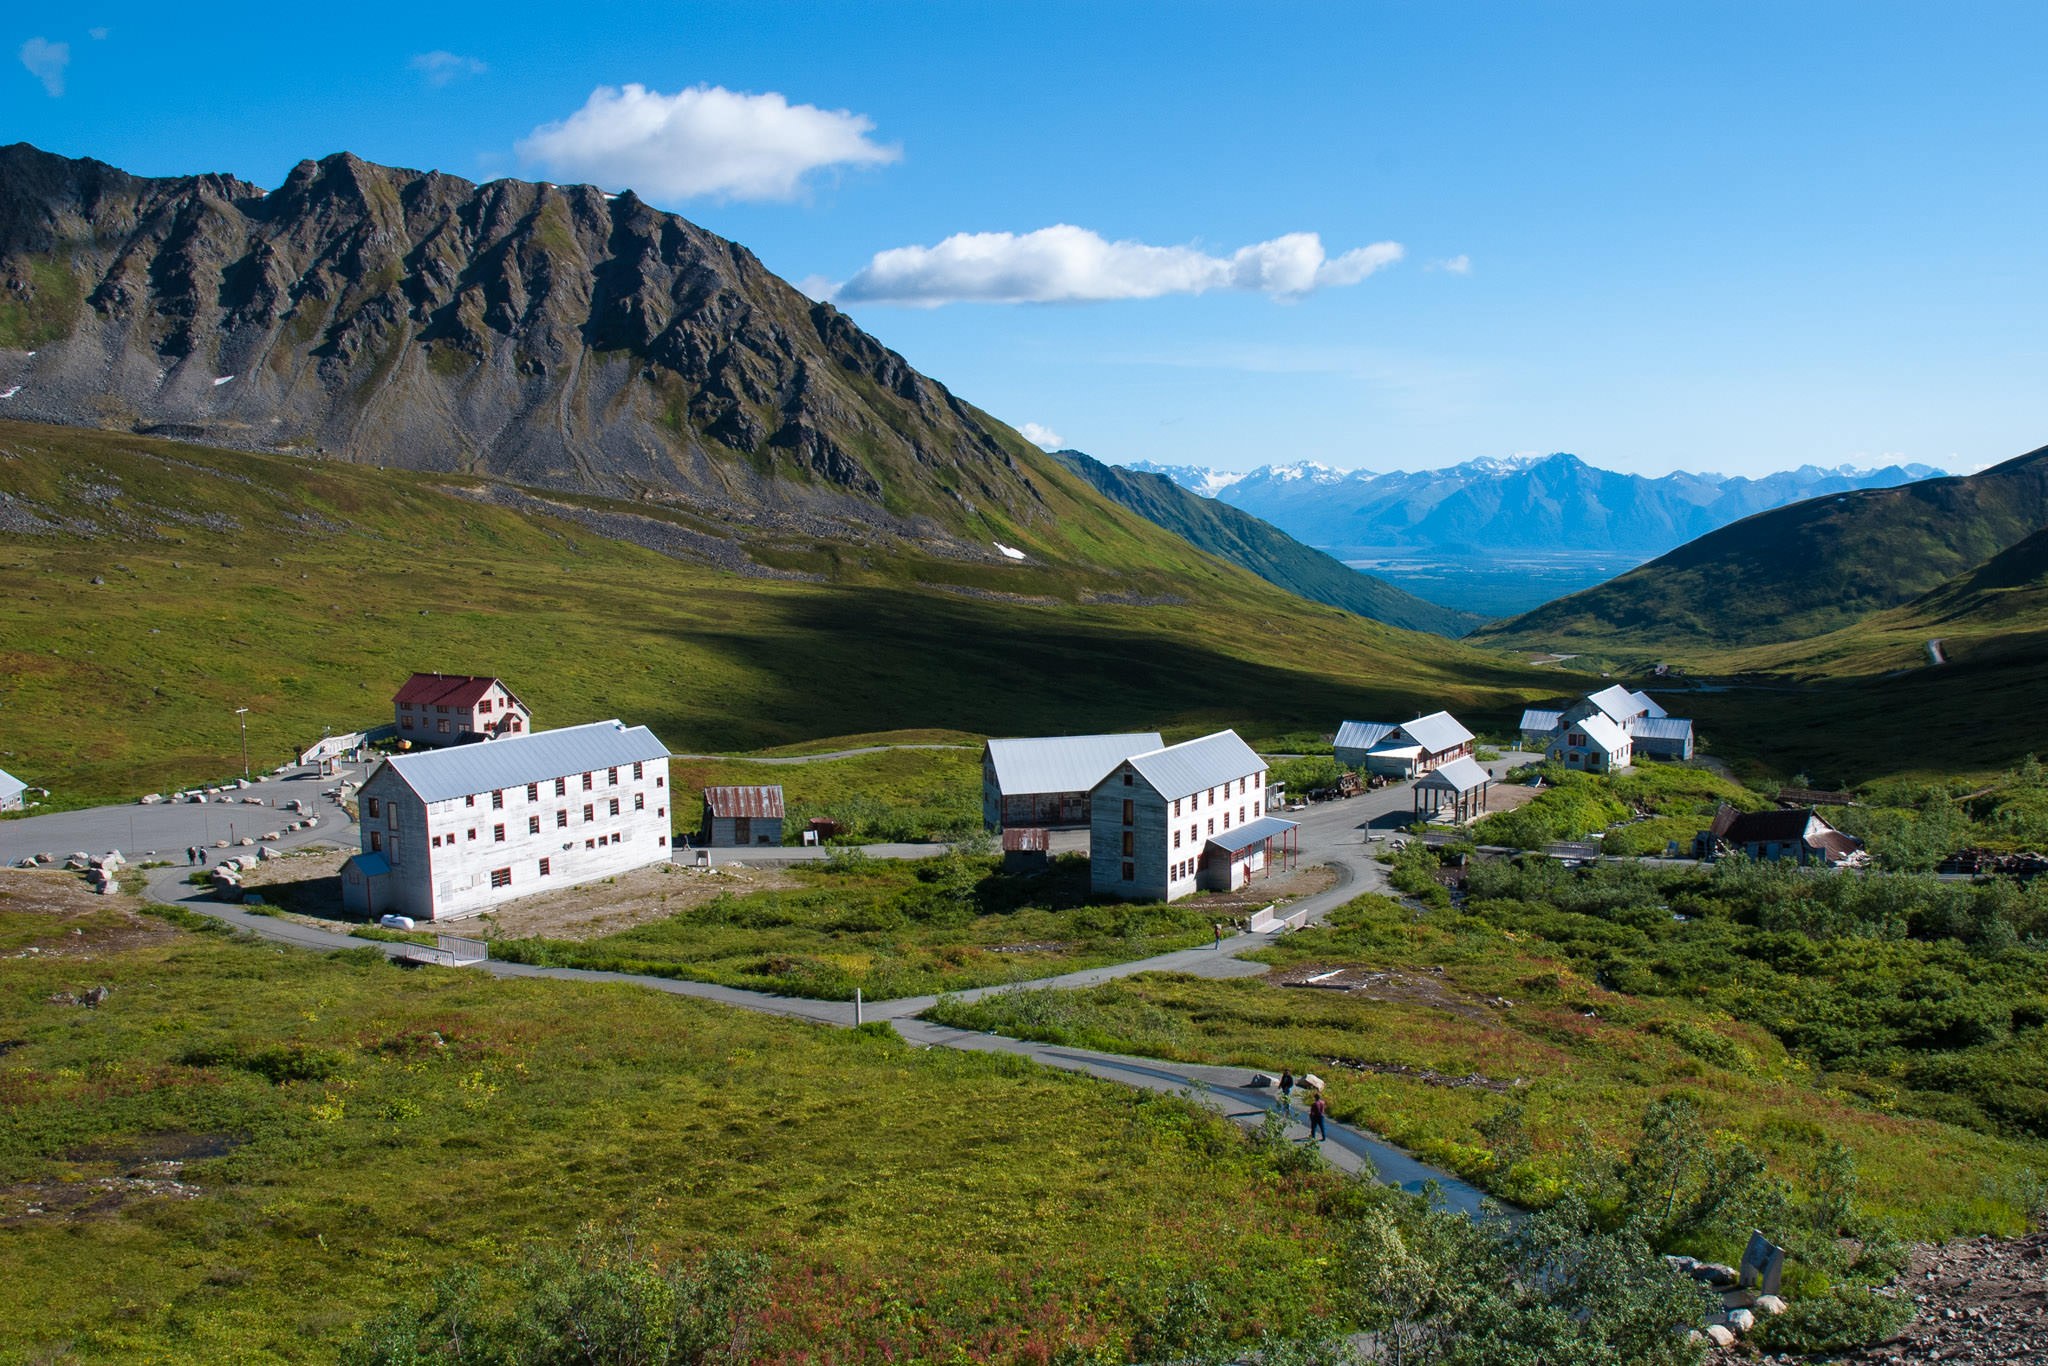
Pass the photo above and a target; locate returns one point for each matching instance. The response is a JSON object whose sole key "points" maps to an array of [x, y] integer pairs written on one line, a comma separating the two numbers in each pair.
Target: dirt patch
{"points": [[1258, 895], [1508, 796], [46, 913], [1427, 1075], [103, 1179], [308, 885], [1397, 986]]}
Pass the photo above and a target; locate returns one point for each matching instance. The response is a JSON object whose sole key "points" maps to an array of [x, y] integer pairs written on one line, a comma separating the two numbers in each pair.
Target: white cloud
{"points": [[442, 67], [1044, 437], [1064, 263], [1461, 264], [705, 140], [100, 33], [46, 61]]}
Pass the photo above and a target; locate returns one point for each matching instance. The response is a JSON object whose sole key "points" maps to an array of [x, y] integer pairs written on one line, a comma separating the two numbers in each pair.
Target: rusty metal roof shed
{"points": [[745, 803]]}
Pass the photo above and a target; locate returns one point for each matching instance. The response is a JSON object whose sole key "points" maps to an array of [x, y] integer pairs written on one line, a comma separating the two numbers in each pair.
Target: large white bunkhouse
{"points": [[432, 710], [1183, 818], [1044, 782], [13, 792], [1651, 730], [1407, 750], [450, 832]]}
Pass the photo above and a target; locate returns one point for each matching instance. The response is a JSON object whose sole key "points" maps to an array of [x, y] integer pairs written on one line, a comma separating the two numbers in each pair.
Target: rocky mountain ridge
{"points": [[553, 336]]}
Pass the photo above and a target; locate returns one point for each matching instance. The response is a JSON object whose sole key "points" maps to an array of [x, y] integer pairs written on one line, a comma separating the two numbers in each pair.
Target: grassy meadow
{"points": [[912, 795], [1509, 1038], [307, 590], [891, 929], [245, 1152]]}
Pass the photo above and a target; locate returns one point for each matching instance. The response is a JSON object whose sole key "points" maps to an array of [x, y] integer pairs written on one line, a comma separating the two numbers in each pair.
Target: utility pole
{"points": [[242, 714]]}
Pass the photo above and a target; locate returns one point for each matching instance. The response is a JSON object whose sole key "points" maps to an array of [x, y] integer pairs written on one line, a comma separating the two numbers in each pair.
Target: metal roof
{"points": [[1649, 704], [11, 786], [749, 803], [1661, 728], [1536, 719], [1609, 737], [371, 865], [1769, 827], [1617, 701], [1250, 833], [439, 774], [1196, 765], [1062, 763], [1362, 734], [1436, 732], [1462, 774], [447, 690]]}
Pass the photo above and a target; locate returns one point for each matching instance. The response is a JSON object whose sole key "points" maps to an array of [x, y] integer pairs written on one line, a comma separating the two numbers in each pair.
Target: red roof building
{"points": [[433, 710], [1801, 836]]}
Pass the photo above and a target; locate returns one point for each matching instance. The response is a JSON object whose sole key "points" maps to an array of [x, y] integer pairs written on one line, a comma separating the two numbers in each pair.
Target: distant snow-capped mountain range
{"points": [[1513, 505]]}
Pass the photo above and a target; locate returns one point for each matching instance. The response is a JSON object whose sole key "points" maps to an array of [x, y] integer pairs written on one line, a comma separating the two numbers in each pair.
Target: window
{"points": [[589, 813], [660, 781], [562, 819], [406, 723], [533, 825], [590, 844], [1130, 811], [1176, 839], [442, 710], [661, 840], [1195, 831], [639, 801], [498, 799], [442, 724], [1212, 825], [390, 816], [637, 775], [586, 782], [544, 868], [533, 792], [661, 811], [561, 787], [1130, 844], [1127, 778], [1176, 806], [470, 800], [1130, 873], [615, 806], [1226, 820], [376, 842], [436, 842], [472, 834], [501, 877], [374, 810], [1255, 807], [611, 777]]}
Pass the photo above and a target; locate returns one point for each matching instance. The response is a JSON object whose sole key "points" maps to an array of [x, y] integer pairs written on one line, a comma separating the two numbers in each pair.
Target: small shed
{"points": [[364, 890], [1459, 787], [735, 816], [1255, 849], [13, 791], [1027, 850]]}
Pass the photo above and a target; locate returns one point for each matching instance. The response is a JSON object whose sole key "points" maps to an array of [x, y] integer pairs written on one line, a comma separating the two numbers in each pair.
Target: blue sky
{"points": [[1730, 236]]}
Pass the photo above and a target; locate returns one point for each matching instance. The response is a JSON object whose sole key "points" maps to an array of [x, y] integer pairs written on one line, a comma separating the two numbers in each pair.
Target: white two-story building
{"points": [[1184, 818], [451, 832]]}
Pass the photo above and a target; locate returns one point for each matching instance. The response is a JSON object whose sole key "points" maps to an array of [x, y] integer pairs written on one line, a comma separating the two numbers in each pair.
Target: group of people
{"points": [[1318, 1109]]}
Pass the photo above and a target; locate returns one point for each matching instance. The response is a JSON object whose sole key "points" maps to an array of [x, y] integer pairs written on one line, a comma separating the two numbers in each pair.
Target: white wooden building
{"points": [[1651, 730], [451, 832], [1593, 743], [1406, 750], [13, 791], [1044, 781], [1184, 818], [432, 710]]}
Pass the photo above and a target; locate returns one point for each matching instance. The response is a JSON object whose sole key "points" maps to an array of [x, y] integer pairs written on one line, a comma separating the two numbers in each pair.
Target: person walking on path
{"points": [[1218, 927], [1287, 1089], [1318, 1111]]}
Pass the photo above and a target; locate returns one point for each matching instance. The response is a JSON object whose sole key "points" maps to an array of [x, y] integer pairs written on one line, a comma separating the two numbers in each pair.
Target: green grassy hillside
{"points": [[1797, 571], [308, 590], [1265, 550]]}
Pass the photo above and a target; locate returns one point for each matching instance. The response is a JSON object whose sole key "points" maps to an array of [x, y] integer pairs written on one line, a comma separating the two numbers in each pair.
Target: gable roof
{"points": [[1609, 737], [749, 803], [1362, 734], [439, 774], [1196, 765], [1649, 704], [1461, 774], [368, 864], [1436, 732], [1062, 763], [1661, 727], [1767, 827], [1617, 701], [448, 690], [1538, 720]]}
